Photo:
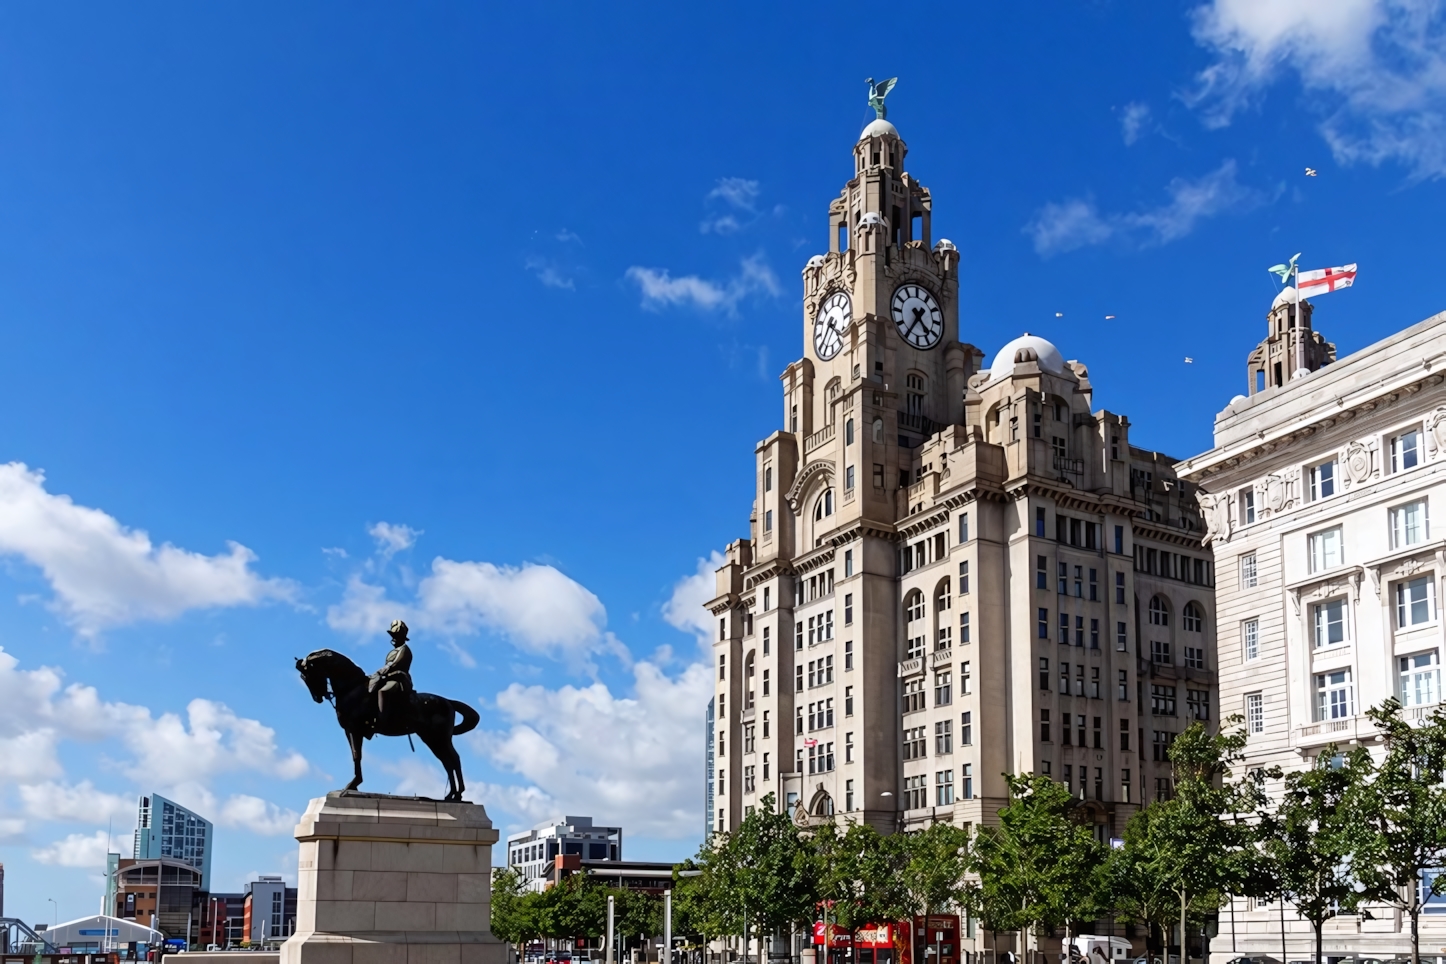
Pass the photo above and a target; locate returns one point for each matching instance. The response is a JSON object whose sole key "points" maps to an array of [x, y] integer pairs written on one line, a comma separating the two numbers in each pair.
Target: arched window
{"points": [[823, 805], [1159, 611], [878, 430], [1194, 618], [848, 431], [941, 595], [824, 505], [913, 606]]}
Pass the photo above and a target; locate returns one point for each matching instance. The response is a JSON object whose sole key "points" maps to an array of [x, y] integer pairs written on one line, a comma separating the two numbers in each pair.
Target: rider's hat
{"points": [[399, 628]]}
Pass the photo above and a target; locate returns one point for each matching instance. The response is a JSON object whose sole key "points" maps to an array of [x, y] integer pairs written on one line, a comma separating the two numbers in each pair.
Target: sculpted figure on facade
{"points": [[1436, 431], [1216, 509], [1358, 463]]}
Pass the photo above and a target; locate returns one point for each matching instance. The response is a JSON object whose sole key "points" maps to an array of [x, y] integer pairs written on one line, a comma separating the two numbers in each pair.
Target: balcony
{"points": [[911, 667], [918, 422], [1354, 729], [941, 658], [823, 435], [1069, 470]]}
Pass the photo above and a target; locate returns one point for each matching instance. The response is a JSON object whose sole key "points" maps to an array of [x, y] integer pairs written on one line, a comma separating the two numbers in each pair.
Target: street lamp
{"points": [[55, 911]]}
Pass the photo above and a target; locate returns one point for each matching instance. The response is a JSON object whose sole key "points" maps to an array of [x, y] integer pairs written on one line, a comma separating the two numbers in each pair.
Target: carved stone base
{"points": [[393, 880]]}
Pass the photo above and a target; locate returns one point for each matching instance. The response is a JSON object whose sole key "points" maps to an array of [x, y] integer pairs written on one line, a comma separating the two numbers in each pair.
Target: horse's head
{"points": [[313, 675]]}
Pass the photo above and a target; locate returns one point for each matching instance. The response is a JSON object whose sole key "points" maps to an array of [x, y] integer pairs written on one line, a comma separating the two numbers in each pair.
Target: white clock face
{"points": [[917, 316], [829, 326]]}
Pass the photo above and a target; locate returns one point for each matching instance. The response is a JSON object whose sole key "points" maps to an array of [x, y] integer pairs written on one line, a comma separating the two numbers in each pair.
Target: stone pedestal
{"points": [[393, 880]]}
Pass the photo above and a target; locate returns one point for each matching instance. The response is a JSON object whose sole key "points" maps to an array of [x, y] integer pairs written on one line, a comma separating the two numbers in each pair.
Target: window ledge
{"points": [[1401, 555], [1326, 575]]}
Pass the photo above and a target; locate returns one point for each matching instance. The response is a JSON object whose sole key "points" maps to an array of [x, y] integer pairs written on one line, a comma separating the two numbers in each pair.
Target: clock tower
{"points": [[945, 561]]}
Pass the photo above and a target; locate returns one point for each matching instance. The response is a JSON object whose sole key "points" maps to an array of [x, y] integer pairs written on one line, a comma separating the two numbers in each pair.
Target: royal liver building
{"points": [[952, 571]]}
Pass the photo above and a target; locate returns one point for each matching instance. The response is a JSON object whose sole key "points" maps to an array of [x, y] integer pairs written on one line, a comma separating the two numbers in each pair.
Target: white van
{"points": [[1094, 949]]}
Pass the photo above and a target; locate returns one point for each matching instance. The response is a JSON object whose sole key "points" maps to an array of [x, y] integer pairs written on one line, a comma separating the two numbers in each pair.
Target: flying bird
{"points": [[1189, 360], [1310, 172]]}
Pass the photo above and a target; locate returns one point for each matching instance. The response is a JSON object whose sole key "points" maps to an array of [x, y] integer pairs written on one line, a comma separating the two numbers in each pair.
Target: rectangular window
{"points": [[964, 636], [1406, 450], [768, 520], [1079, 638], [1124, 736], [768, 478], [963, 577], [848, 563], [1099, 733], [722, 666], [1122, 638], [1160, 652], [798, 635], [848, 478], [765, 672], [848, 701], [1409, 525], [1043, 673], [944, 788], [964, 528], [1124, 786], [1420, 679], [1039, 522], [1063, 679], [1064, 629], [848, 655], [1247, 506], [1413, 602], [1119, 540], [1119, 588], [1255, 712], [1124, 692], [1250, 638], [966, 684], [943, 688], [878, 476], [1162, 700], [1325, 549], [848, 747], [1041, 573], [849, 604], [966, 785], [915, 793], [798, 678], [943, 737], [966, 728], [1094, 632], [1329, 623], [1198, 703], [1194, 657], [1247, 571], [1334, 696], [1043, 623], [1160, 747], [914, 696], [1322, 479], [1044, 726], [1063, 579], [1094, 682], [848, 784], [1094, 585]]}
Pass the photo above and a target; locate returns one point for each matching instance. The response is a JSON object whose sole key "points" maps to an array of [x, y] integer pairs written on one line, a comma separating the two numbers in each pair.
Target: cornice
{"points": [[721, 604]]}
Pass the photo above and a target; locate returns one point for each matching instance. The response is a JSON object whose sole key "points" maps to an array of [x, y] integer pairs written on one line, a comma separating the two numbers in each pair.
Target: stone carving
{"points": [[1358, 463], [1216, 509], [800, 815], [1279, 492], [1436, 430]]}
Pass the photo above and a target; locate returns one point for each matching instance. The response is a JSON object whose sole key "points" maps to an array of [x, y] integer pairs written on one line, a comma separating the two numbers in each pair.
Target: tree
{"points": [[1134, 881], [514, 917], [1199, 841], [636, 913], [1037, 867], [1398, 816], [859, 874], [1309, 837], [935, 861]]}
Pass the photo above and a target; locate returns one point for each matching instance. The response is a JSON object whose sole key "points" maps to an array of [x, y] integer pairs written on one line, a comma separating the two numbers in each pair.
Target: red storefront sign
{"points": [[837, 936], [875, 935]]}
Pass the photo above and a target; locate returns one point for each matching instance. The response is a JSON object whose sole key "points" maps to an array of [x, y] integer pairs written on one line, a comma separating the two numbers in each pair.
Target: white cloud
{"points": [[80, 803], [566, 236], [549, 273], [660, 289], [1077, 223], [537, 607], [1374, 71], [1132, 121], [105, 574], [632, 760], [86, 851], [257, 815], [392, 539], [738, 192], [684, 608], [37, 713]]}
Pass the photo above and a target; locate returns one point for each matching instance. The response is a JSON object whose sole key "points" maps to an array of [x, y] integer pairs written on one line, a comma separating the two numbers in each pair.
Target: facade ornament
{"points": [[1216, 509], [1408, 568], [877, 93], [800, 815], [1358, 463], [1295, 600], [1375, 572], [1436, 430], [1279, 492]]}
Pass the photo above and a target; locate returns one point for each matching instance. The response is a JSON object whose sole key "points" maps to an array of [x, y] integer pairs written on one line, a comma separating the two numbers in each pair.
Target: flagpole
{"points": [[1299, 323]]}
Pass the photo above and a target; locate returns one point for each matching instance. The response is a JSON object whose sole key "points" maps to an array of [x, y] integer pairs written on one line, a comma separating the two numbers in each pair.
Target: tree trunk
{"points": [[1415, 934], [1319, 926], [1184, 957]]}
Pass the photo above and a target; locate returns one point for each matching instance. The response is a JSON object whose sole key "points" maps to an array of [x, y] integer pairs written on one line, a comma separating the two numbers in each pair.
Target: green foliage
{"points": [[1308, 837], [935, 861], [859, 874], [1399, 815], [759, 876], [510, 910], [1037, 867]]}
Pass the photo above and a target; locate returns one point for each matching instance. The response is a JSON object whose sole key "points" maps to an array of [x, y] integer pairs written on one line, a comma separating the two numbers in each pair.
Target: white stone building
{"points": [[531, 852], [1318, 497]]}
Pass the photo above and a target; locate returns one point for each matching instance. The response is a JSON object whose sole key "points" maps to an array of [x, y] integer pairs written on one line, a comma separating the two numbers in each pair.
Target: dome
{"points": [[815, 262], [945, 244], [878, 128], [1026, 345], [1286, 297]]}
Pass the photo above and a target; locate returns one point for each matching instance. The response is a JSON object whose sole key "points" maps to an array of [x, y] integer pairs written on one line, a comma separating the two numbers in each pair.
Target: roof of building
{"points": [[1286, 297], [93, 929], [877, 127], [1049, 358]]}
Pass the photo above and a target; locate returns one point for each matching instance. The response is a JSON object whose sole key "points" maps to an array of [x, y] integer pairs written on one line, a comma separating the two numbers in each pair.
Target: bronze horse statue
{"points": [[330, 675]]}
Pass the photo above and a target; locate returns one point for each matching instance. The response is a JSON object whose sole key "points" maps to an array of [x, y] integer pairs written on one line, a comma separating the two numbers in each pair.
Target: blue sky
{"points": [[316, 314]]}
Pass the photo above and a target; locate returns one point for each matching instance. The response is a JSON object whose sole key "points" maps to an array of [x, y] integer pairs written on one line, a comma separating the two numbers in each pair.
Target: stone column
{"points": [[393, 880]]}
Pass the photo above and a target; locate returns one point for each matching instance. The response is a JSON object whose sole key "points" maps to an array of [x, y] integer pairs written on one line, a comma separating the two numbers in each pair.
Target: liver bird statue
{"points": [[877, 93]]}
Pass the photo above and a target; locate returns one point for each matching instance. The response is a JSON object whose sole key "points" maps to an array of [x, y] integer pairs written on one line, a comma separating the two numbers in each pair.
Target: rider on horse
{"points": [[395, 675]]}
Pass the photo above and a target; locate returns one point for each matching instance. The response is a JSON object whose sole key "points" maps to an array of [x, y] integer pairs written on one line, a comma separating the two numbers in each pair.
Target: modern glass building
{"points": [[164, 828]]}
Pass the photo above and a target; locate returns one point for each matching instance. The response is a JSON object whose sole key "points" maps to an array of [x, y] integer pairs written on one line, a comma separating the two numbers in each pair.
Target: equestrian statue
{"points": [[384, 703]]}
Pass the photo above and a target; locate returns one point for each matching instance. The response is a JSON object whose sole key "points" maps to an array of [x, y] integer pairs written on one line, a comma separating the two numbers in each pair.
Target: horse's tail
{"points": [[470, 718]]}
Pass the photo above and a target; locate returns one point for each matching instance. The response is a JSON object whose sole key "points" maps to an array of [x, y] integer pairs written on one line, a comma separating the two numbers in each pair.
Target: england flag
{"points": [[1323, 280]]}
